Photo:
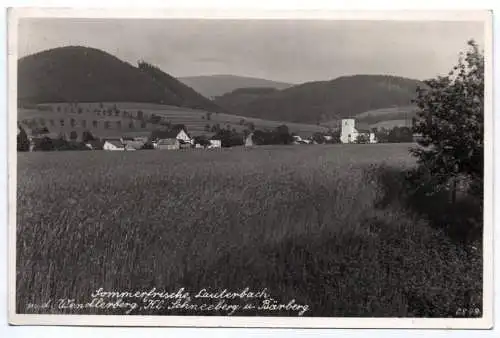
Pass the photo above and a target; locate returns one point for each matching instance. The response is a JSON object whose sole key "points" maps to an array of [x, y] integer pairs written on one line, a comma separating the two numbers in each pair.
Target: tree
{"points": [[228, 138], [318, 138], [179, 126], [382, 135], [362, 138], [23, 142], [202, 140], [283, 135], [451, 125], [399, 135], [155, 119], [46, 144], [73, 135], [335, 136], [87, 136], [147, 146]]}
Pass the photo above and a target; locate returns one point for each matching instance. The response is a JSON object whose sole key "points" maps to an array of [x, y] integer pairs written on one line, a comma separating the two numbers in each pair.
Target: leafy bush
{"points": [[451, 124]]}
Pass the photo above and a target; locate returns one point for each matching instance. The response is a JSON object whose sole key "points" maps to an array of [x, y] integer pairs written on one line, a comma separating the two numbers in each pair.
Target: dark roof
{"points": [[96, 144], [169, 133], [363, 131], [116, 143], [168, 141], [133, 144]]}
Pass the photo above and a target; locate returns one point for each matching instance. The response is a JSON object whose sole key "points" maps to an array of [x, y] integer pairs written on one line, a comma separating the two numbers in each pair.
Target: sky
{"points": [[294, 51]]}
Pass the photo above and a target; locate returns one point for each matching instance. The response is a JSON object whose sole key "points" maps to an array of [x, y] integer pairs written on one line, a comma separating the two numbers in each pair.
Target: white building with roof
{"points": [[349, 132]]}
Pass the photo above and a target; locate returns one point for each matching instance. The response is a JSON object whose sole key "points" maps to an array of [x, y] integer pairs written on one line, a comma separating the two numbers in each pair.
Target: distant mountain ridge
{"points": [[84, 74], [216, 85], [315, 102]]}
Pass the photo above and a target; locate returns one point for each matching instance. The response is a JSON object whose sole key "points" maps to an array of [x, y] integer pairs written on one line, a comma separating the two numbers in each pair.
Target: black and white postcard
{"points": [[250, 169]]}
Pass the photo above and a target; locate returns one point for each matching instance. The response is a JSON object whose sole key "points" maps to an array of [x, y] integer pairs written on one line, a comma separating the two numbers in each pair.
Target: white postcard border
{"points": [[485, 322]]}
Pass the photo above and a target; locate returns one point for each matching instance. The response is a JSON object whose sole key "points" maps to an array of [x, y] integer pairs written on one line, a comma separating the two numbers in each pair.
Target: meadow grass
{"points": [[195, 120], [304, 222]]}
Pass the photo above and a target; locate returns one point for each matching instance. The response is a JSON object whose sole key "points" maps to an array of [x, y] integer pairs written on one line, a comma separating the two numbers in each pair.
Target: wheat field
{"points": [[301, 221]]}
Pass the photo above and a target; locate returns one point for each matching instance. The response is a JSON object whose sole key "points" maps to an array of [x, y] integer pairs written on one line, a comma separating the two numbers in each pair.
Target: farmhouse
{"points": [[215, 143], [168, 144], [350, 134], [95, 145], [183, 136], [249, 140], [113, 145], [173, 139], [133, 143], [299, 140]]}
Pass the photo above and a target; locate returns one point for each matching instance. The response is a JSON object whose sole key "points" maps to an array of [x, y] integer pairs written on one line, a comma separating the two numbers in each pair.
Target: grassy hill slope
{"points": [[62, 118]]}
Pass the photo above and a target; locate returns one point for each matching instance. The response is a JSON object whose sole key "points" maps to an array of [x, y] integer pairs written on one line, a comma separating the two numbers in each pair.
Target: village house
{"points": [[299, 140], [184, 137], [174, 139], [249, 140], [168, 144], [95, 145], [349, 132], [113, 145], [132, 143], [215, 143]]}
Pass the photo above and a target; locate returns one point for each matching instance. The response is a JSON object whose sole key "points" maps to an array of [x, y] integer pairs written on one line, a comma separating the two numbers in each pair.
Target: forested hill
{"points": [[83, 74], [185, 95], [217, 85], [314, 102]]}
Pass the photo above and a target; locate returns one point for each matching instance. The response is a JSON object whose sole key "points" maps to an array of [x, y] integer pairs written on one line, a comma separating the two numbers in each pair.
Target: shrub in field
{"points": [[412, 190]]}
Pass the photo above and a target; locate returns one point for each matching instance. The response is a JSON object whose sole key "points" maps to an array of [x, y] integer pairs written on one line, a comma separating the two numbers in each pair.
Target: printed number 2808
{"points": [[468, 312]]}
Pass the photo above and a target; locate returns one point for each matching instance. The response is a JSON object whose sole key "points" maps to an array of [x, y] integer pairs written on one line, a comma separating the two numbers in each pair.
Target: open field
{"points": [[305, 222], [195, 120]]}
